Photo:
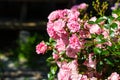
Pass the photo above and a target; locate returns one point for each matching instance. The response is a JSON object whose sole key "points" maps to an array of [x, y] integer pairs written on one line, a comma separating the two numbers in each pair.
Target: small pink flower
{"points": [[65, 38], [84, 34], [99, 45], [64, 74], [68, 71], [73, 65], [84, 77], [73, 15], [59, 25], [64, 71], [54, 15], [114, 76], [75, 7], [93, 78], [41, 48], [114, 15], [74, 26], [55, 56], [76, 76], [70, 52], [105, 33], [90, 63], [60, 46], [108, 43], [50, 30], [95, 29], [64, 13], [93, 19], [82, 6], [75, 43]]}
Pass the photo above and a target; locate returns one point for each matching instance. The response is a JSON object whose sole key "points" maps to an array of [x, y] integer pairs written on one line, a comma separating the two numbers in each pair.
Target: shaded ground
{"points": [[15, 70], [18, 60]]}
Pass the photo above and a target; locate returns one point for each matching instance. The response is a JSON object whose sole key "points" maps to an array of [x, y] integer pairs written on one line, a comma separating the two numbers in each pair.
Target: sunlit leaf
{"points": [[91, 22], [97, 50], [114, 26], [100, 20]]}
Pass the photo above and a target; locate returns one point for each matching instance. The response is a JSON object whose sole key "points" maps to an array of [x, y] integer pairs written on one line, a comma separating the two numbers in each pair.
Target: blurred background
{"points": [[22, 27]]}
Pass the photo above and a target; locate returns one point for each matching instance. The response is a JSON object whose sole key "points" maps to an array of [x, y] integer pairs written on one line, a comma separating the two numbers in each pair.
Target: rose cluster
{"points": [[78, 45]]}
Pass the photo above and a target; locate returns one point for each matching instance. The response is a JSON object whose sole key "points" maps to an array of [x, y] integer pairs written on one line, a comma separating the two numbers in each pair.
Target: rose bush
{"points": [[82, 49]]}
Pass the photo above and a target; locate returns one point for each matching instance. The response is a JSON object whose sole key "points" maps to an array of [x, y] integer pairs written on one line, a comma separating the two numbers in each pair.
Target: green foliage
{"points": [[51, 74], [26, 50]]}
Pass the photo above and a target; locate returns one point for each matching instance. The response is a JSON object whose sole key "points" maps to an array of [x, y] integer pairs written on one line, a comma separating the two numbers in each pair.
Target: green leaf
{"points": [[88, 44], [112, 48], [101, 63], [107, 26], [99, 66], [50, 76], [108, 61], [100, 20], [117, 11], [53, 69], [93, 35], [47, 43], [114, 26], [118, 53], [112, 33], [118, 18], [91, 22], [100, 39], [97, 50], [110, 19], [51, 40], [105, 52], [49, 59]]}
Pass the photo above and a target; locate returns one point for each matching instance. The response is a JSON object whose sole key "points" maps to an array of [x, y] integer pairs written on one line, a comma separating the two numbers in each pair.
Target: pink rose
{"points": [[59, 25], [65, 38], [93, 19], [114, 76], [105, 33], [41, 48], [84, 34], [95, 29], [74, 26], [73, 15], [64, 13], [64, 74], [51, 32], [76, 76], [54, 15], [82, 6], [84, 77], [114, 15], [75, 43], [73, 65], [90, 63], [93, 78], [68, 71], [55, 56], [75, 7], [60, 46], [108, 43], [70, 52], [64, 71]]}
